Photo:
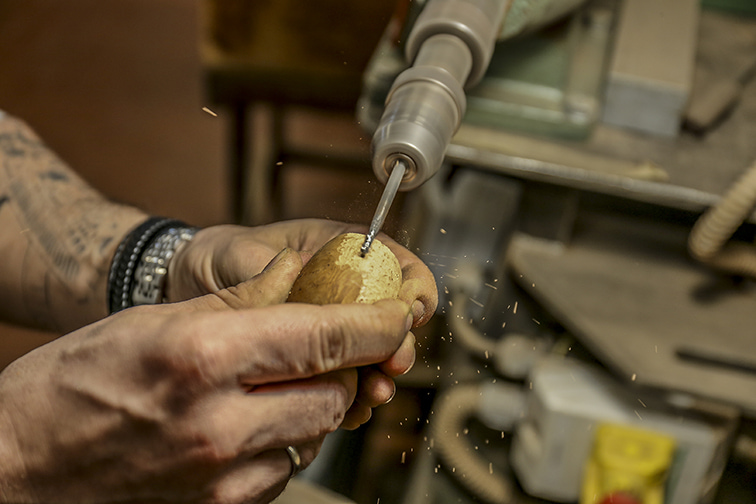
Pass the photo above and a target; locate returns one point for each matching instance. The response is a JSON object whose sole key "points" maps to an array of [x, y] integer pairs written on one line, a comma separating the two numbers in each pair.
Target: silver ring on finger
{"points": [[296, 461]]}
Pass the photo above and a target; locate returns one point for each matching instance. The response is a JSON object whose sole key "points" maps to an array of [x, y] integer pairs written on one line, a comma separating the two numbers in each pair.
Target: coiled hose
{"points": [[708, 239], [453, 410]]}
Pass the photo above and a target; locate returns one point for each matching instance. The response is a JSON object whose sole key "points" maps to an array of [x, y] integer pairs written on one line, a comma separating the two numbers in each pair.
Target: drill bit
{"points": [[389, 193]]}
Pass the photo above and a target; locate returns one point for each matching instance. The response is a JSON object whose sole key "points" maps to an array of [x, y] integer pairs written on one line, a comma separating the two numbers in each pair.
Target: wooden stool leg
{"points": [[238, 154], [256, 147], [266, 142]]}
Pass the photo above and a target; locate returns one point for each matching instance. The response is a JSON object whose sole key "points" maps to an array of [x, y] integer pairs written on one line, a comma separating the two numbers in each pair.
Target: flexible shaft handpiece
{"points": [[389, 193], [449, 47]]}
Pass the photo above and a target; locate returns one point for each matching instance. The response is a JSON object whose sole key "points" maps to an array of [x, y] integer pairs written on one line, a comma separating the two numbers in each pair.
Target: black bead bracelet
{"points": [[121, 277]]}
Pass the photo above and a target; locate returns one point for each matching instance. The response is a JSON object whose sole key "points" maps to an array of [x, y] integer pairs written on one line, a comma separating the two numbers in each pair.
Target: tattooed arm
{"points": [[57, 236]]}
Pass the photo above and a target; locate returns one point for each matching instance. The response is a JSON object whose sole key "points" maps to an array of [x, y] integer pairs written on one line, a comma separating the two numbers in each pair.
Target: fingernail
{"points": [[392, 395], [276, 259], [409, 368], [414, 356], [410, 321], [418, 309]]}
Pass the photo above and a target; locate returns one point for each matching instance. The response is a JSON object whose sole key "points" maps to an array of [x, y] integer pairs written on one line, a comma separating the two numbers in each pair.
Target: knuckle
{"points": [[336, 411], [211, 447], [189, 354], [236, 240], [330, 346], [310, 451], [234, 296], [330, 409], [199, 355]]}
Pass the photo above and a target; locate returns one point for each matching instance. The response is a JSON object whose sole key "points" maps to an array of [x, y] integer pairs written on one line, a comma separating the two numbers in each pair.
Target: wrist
{"points": [[139, 269], [181, 280], [63, 300]]}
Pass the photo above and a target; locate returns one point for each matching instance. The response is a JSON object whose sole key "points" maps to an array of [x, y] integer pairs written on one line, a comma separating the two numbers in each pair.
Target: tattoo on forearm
{"points": [[40, 223], [53, 175], [60, 215], [36, 295]]}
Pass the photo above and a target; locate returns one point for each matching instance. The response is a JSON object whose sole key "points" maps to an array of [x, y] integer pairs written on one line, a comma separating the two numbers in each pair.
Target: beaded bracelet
{"points": [[137, 273]]}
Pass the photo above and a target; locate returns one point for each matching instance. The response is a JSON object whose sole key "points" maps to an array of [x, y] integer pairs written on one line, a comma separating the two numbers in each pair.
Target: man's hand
{"points": [[193, 401], [224, 256]]}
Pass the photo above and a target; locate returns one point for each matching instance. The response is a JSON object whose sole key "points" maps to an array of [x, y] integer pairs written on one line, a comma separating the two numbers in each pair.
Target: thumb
{"points": [[270, 287]]}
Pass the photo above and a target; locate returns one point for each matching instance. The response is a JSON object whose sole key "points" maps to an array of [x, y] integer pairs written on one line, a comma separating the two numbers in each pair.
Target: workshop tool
{"points": [[384, 204], [450, 46]]}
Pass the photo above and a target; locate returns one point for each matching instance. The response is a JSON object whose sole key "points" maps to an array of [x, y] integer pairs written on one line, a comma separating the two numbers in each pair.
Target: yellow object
{"points": [[627, 461]]}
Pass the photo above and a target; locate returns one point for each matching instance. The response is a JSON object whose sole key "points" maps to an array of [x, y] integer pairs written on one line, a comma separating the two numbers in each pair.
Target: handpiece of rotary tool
{"points": [[448, 48], [384, 204]]}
